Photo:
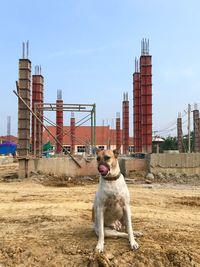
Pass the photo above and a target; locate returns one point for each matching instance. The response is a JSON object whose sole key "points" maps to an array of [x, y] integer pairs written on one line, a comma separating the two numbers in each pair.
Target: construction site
{"points": [[47, 186]]}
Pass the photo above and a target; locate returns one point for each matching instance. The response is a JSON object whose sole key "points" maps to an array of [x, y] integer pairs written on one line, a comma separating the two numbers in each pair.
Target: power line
{"points": [[172, 125]]}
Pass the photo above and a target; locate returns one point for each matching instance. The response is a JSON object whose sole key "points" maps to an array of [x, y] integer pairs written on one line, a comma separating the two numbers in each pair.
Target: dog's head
{"points": [[107, 161]]}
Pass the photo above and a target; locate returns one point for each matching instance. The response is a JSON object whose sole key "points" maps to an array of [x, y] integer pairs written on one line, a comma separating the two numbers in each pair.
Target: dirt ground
{"points": [[47, 224]]}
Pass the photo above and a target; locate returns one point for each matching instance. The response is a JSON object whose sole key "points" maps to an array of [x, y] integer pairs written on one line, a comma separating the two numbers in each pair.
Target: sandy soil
{"points": [[47, 225]]}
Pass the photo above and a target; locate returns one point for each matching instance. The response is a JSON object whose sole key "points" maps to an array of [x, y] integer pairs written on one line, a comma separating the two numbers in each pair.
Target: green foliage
{"points": [[170, 143]]}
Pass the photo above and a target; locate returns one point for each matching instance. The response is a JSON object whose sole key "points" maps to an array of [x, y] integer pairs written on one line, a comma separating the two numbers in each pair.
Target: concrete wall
{"points": [[129, 166], [183, 163], [173, 163], [64, 166], [156, 163]]}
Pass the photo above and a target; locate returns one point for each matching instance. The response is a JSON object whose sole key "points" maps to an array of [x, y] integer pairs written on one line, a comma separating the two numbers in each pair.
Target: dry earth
{"points": [[47, 225]]}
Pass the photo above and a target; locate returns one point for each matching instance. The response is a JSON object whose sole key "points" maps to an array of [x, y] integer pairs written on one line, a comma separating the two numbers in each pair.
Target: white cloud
{"points": [[85, 51], [175, 73]]}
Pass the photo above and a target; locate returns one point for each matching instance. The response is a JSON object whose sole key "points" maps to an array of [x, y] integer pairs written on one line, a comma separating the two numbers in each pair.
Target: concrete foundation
{"points": [[25, 168], [184, 163], [66, 166], [58, 166], [129, 166], [165, 163]]}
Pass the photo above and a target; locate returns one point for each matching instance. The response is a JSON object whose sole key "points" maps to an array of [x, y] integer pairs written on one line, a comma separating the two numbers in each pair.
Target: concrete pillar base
{"points": [[26, 166], [23, 168]]}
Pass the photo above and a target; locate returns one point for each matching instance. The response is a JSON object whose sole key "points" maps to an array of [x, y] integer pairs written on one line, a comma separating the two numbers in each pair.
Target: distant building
{"points": [[6, 138], [105, 138], [157, 141]]}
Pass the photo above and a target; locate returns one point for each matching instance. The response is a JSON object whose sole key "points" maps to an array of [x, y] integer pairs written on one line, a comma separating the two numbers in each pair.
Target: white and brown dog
{"points": [[111, 210]]}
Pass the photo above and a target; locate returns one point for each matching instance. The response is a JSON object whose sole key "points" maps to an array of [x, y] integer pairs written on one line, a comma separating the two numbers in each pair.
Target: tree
{"points": [[170, 143]]}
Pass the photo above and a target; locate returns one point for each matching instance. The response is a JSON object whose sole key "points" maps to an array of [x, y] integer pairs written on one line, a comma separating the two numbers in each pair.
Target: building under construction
{"points": [[34, 112], [76, 138]]}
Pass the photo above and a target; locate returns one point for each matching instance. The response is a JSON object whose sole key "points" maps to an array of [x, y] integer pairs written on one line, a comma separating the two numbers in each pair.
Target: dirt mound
{"points": [[8, 172], [189, 201], [62, 180], [177, 178]]}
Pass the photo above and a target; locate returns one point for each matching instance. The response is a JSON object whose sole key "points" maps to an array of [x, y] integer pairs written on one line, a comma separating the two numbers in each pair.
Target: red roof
{"points": [[11, 138], [104, 135]]}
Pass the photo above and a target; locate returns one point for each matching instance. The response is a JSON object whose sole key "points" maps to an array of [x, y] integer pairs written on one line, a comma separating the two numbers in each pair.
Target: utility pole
{"points": [[8, 127], [189, 141]]}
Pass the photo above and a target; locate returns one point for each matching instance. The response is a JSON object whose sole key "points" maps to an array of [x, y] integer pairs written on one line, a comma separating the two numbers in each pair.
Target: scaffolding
{"points": [[87, 108]]}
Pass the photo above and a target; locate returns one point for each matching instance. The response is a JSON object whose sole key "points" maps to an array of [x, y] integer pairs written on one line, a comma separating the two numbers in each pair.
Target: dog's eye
{"points": [[106, 157], [98, 158]]}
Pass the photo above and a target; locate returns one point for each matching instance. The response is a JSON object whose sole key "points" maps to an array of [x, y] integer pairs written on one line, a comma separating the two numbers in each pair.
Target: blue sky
{"points": [[87, 49]]}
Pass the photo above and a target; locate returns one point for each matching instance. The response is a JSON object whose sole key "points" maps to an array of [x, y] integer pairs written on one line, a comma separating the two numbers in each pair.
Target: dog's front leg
{"points": [[133, 243], [100, 216]]}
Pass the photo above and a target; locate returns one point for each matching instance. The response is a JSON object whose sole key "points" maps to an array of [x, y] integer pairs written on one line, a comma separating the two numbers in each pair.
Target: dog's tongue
{"points": [[103, 170]]}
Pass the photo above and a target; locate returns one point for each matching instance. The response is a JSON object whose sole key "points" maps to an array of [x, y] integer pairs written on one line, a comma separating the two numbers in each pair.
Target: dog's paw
{"points": [[137, 234], [134, 245], [99, 247], [116, 225]]}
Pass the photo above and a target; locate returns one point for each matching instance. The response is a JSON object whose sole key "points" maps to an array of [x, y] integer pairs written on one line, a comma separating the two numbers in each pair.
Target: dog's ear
{"points": [[97, 150], [116, 153]]}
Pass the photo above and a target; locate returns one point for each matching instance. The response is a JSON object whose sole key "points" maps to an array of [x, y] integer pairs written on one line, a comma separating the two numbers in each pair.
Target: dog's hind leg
{"points": [[114, 233]]}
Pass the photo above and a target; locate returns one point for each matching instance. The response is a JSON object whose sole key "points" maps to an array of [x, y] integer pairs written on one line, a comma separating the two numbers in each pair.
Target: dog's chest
{"points": [[114, 191]]}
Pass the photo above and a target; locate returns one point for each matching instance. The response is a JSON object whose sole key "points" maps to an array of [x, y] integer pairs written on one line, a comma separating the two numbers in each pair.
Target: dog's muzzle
{"points": [[103, 168]]}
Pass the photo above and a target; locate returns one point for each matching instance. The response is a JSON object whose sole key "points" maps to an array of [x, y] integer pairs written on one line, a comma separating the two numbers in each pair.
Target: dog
{"points": [[111, 209]]}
